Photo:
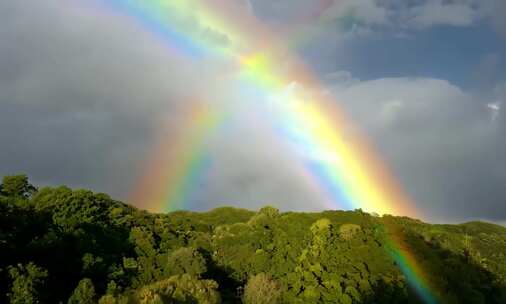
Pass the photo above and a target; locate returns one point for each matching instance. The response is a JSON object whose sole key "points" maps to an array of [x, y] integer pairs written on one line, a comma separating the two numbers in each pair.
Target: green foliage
{"points": [[176, 289], [84, 293], [262, 289], [347, 231], [17, 186], [27, 282], [269, 211], [88, 246], [186, 261]]}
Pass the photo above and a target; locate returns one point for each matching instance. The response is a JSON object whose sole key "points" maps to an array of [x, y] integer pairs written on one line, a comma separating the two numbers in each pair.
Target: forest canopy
{"points": [[60, 245]]}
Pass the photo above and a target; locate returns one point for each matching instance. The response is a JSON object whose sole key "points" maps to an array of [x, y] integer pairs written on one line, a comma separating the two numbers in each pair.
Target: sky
{"points": [[83, 90]]}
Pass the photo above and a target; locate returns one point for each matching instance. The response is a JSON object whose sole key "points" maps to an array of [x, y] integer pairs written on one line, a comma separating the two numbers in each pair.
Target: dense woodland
{"points": [[59, 245]]}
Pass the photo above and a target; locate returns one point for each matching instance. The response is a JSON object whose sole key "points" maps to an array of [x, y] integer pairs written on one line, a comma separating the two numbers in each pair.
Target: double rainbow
{"points": [[332, 153]]}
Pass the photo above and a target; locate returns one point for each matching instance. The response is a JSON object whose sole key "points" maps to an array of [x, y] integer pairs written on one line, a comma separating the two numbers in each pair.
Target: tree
{"points": [[261, 289], [26, 282], [330, 257], [186, 260], [176, 289], [84, 293], [347, 231], [269, 211], [146, 264], [264, 217], [17, 186]]}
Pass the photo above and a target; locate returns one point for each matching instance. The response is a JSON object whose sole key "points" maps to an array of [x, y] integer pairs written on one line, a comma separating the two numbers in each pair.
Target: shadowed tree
{"points": [[84, 293], [26, 283]]}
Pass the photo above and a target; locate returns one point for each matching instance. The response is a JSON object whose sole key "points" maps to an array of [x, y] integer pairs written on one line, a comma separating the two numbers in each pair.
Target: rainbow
{"points": [[332, 153], [183, 158], [401, 253]]}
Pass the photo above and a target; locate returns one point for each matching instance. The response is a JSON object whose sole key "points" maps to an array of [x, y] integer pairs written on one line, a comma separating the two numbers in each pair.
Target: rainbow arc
{"points": [[332, 152]]}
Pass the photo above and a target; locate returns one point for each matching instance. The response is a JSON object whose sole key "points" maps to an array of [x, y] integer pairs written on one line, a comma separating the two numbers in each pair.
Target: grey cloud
{"points": [[433, 13], [82, 94], [493, 10], [487, 72], [81, 91], [440, 142], [364, 11], [367, 16], [498, 20], [252, 168]]}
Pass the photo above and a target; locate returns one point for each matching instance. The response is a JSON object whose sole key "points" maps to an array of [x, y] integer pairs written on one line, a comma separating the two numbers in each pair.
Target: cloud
{"points": [[361, 11], [246, 5], [488, 71], [457, 13], [374, 16], [254, 172], [493, 11], [438, 140], [495, 109], [82, 91], [390, 110], [437, 12], [500, 91], [322, 17]]}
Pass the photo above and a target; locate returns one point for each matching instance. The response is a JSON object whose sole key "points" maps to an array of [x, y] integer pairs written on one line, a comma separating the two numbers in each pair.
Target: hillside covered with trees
{"points": [[59, 245]]}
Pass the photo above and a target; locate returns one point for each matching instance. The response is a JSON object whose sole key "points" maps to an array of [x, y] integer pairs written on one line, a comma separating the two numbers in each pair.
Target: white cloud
{"points": [[494, 110]]}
